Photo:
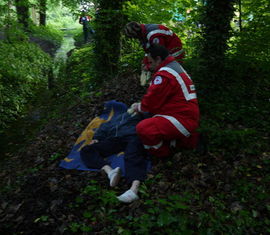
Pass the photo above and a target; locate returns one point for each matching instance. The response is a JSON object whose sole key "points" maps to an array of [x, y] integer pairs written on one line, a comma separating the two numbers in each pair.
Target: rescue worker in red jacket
{"points": [[148, 34], [85, 21], [171, 98]]}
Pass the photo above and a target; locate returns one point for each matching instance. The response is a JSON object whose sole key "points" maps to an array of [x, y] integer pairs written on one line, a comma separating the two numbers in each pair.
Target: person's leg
{"points": [[152, 138], [135, 160], [135, 168], [157, 134], [85, 34], [93, 157], [132, 194], [91, 30], [114, 175], [135, 186]]}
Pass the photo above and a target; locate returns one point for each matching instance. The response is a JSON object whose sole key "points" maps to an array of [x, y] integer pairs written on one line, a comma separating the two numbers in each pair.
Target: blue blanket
{"points": [[73, 161]]}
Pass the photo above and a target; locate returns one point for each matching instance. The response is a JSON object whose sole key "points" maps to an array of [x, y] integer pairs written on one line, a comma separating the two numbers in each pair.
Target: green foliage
{"points": [[79, 39], [24, 69], [185, 212], [55, 156], [47, 33], [235, 91], [108, 23], [61, 17], [180, 16], [235, 119], [216, 28], [176, 213], [131, 55], [43, 218], [95, 194], [79, 70], [149, 11], [250, 44], [15, 33]]}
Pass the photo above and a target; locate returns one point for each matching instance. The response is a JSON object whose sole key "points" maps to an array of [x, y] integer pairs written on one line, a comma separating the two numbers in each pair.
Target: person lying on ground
{"points": [[113, 137]]}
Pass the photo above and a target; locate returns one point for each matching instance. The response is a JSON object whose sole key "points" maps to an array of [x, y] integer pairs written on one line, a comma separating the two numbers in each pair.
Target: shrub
{"points": [[48, 33], [24, 70], [79, 70]]}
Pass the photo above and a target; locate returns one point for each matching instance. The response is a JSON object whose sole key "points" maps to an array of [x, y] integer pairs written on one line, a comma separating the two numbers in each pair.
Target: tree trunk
{"points": [[240, 15], [107, 38], [216, 31], [22, 8], [42, 12]]}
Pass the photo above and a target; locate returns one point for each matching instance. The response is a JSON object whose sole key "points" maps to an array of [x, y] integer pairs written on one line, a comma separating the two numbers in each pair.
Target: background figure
{"points": [[85, 21], [149, 34]]}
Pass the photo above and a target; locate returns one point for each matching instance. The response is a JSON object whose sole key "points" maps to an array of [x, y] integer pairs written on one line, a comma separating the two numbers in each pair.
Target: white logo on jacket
{"points": [[158, 80], [156, 40]]}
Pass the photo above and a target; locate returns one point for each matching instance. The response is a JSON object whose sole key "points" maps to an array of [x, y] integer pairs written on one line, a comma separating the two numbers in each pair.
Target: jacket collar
{"points": [[168, 60]]}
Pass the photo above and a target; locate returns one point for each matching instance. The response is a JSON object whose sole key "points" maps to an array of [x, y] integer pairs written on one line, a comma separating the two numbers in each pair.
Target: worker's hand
{"points": [[145, 77], [144, 67], [93, 141], [134, 109]]}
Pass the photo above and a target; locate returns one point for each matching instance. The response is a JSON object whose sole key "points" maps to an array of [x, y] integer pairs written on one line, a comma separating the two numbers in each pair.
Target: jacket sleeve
{"points": [[157, 95], [146, 62]]}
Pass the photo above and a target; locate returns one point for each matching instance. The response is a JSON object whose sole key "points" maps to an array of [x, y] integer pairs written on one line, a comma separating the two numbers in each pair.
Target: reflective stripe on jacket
{"points": [[172, 95]]}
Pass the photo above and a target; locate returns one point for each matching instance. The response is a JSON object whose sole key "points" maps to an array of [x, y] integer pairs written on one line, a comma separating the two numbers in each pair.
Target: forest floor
{"points": [[38, 197]]}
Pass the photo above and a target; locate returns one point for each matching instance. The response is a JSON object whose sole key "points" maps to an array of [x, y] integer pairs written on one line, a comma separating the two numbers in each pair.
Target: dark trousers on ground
{"points": [[135, 156]]}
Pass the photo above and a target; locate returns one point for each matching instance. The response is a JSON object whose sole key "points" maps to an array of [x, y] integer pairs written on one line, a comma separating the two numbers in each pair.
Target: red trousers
{"points": [[157, 134]]}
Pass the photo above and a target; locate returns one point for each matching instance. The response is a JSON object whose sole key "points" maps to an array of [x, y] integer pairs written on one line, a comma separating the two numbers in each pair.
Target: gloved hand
{"points": [[145, 77], [134, 108]]}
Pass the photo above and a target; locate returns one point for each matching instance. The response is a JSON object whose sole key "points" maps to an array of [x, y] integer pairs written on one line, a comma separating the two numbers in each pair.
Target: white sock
{"points": [[114, 176], [135, 186], [128, 196]]}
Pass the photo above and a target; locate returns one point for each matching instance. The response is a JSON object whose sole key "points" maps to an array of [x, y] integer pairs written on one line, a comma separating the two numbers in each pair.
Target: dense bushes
{"points": [[47, 33], [131, 55], [79, 71], [24, 71]]}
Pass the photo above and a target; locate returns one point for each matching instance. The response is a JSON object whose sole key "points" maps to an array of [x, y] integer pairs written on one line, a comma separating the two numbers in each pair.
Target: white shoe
{"points": [[114, 176], [128, 197]]}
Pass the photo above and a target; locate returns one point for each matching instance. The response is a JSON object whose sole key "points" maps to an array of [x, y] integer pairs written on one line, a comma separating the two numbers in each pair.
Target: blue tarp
{"points": [[73, 161]]}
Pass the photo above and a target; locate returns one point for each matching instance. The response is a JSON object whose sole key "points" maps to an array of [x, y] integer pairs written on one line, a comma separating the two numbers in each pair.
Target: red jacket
{"points": [[172, 93], [160, 34], [85, 20]]}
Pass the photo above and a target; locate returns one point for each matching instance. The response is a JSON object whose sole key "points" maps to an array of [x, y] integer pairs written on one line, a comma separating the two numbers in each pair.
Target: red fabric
{"points": [[154, 130], [146, 63], [150, 134], [167, 98], [87, 18], [171, 42]]}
